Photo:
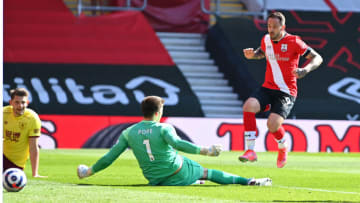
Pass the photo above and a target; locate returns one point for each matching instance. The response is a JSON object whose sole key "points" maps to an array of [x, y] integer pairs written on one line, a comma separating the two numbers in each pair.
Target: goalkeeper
{"points": [[153, 145]]}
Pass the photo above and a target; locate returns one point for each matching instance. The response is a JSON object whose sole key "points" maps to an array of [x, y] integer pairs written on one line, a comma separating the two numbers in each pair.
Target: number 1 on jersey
{"points": [[148, 149]]}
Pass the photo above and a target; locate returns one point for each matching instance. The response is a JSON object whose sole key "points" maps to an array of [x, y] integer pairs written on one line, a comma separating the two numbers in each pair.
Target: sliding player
{"points": [[153, 145]]}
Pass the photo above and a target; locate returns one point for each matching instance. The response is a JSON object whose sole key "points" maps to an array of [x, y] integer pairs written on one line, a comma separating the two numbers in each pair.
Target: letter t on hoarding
{"points": [[236, 135], [76, 92]]}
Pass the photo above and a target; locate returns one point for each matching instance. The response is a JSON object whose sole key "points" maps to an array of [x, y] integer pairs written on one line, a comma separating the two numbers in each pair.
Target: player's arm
{"points": [[105, 161], [249, 53], [34, 155], [170, 136], [314, 61], [34, 150]]}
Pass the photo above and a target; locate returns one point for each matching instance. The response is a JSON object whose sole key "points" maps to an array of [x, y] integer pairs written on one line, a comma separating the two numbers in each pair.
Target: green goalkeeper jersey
{"points": [[153, 145]]}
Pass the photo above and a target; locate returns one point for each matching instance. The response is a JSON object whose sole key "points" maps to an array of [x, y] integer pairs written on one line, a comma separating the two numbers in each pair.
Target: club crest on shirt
{"points": [[21, 125], [283, 47], [5, 122]]}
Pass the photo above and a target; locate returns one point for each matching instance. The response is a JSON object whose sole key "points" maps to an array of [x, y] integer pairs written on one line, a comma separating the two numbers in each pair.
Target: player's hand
{"points": [[249, 53], [83, 171], [213, 150], [300, 72]]}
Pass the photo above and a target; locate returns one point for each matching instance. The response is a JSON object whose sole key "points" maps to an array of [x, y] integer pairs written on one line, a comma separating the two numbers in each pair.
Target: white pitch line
{"points": [[319, 190]]}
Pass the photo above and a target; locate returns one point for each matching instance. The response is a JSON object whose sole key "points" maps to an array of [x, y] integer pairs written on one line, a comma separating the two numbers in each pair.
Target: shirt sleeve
{"points": [[170, 137], [300, 46], [35, 130], [112, 155]]}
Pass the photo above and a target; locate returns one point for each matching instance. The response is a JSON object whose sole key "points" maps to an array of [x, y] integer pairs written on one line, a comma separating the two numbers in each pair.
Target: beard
{"points": [[274, 36]]}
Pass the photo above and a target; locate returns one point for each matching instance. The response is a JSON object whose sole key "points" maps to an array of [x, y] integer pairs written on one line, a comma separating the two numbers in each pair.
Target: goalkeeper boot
{"points": [[260, 182], [249, 155], [282, 157]]}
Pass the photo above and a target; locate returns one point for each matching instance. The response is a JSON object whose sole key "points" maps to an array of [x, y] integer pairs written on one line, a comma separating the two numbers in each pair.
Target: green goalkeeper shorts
{"points": [[190, 172]]}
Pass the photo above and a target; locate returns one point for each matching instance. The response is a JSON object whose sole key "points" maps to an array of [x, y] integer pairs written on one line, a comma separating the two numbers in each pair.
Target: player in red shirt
{"points": [[278, 92]]}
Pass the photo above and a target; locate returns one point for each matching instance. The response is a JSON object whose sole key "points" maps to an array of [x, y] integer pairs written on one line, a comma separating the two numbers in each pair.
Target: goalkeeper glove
{"points": [[213, 150], [84, 171]]}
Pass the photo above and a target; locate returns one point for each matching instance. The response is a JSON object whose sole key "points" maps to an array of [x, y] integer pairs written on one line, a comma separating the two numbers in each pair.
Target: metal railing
{"points": [[127, 7], [217, 11]]}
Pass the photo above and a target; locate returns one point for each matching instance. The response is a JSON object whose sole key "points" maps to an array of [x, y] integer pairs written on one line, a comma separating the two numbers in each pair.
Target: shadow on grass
{"points": [[146, 185]]}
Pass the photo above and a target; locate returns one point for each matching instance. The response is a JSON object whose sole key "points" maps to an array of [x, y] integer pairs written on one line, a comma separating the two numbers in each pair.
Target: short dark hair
{"points": [[150, 105], [21, 92], [279, 16]]}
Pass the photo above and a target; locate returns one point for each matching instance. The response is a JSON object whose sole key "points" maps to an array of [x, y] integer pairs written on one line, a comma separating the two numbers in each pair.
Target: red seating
{"points": [[49, 33]]}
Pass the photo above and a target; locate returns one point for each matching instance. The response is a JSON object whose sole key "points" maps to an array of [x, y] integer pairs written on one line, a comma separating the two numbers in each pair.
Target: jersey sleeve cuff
{"points": [[198, 149], [93, 170]]}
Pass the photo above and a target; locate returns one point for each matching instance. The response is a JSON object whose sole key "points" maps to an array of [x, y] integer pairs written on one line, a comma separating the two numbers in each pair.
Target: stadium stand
{"points": [[56, 36], [187, 50], [216, 96], [46, 43]]}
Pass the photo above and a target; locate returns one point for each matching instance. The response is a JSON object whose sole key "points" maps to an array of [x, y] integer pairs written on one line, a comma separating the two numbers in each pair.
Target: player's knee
{"points": [[273, 126], [251, 105]]}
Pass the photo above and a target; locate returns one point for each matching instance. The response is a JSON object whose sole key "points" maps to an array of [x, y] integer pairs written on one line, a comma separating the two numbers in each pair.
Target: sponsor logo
{"points": [[277, 57], [100, 89], [104, 94], [12, 136], [347, 88], [288, 101], [22, 125]]}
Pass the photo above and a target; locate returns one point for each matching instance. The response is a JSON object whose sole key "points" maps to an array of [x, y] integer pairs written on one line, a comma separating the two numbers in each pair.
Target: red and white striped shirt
{"points": [[282, 58]]}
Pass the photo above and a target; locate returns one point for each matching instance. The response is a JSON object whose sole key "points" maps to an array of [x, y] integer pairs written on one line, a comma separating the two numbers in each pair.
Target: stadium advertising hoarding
{"points": [[67, 131], [66, 89]]}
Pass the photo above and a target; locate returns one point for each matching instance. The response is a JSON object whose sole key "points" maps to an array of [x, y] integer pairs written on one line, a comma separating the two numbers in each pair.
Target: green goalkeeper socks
{"points": [[225, 178]]}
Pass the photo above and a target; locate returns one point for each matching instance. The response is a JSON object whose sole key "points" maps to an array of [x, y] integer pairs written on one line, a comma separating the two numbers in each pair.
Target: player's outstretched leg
{"points": [[250, 136], [221, 177], [282, 153]]}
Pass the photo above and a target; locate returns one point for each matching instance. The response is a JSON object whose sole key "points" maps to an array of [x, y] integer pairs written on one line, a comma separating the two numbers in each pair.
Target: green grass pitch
{"points": [[308, 177]]}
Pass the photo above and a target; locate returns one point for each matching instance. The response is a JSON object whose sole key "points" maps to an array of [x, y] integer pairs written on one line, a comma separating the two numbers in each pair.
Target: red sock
{"points": [[249, 121], [279, 134], [250, 130]]}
